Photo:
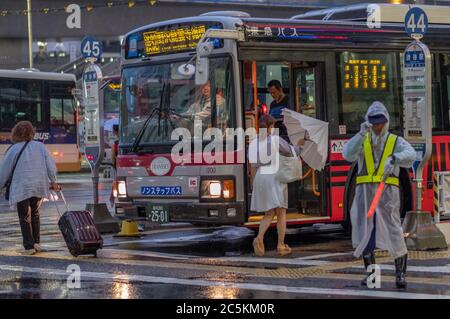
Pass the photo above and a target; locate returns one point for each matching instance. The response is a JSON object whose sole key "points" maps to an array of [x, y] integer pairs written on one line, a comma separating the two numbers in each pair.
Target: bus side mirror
{"points": [[204, 50], [202, 71]]}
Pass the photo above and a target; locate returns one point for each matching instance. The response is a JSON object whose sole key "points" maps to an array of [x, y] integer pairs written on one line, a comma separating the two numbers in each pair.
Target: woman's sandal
{"points": [[284, 250], [258, 246]]}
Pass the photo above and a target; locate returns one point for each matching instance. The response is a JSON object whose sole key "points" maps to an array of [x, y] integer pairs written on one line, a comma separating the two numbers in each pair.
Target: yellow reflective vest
{"points": [[368, 174]]}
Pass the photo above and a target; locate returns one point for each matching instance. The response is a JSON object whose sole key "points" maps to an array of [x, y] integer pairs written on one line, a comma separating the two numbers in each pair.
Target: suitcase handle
{"points": [[63, 198]]}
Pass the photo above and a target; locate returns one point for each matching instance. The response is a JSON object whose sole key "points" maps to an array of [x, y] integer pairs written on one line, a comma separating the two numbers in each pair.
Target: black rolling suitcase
{"points": [[79, 231]]}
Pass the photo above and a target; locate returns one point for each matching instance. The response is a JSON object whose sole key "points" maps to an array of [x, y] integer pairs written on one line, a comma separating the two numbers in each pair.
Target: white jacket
{"points": [[34, 172], [385, 227]]}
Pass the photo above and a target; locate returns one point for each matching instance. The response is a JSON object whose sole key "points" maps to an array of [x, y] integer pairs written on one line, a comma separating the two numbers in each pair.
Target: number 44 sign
{"points": [[416, 23], [91, 48]]}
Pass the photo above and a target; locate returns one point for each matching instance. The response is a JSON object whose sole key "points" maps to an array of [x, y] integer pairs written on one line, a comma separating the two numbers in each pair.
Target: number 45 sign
{"points": [[91, 48], [416, 23]]}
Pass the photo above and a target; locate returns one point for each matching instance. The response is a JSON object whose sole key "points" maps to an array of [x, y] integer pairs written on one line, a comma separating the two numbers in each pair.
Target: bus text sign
{"points": [[415, 77]]}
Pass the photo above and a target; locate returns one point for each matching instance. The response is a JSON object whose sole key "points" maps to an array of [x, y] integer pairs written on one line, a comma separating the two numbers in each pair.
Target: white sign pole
{"points": [[419, 231], [93, 124], [417, 106]]}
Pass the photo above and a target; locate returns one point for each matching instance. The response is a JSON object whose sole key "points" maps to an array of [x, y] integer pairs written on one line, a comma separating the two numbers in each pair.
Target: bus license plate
{"points": [[161, 190], [158, 214]]}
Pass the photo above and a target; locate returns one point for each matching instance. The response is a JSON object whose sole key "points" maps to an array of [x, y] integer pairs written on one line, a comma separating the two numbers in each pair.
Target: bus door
{"points": [[303, 84], [307, 197]]}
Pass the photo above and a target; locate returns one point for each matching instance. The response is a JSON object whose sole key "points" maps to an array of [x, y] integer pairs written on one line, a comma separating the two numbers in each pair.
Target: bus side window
{"points": [[62, 109], [305, 91], [264, 73], [20, 100]]}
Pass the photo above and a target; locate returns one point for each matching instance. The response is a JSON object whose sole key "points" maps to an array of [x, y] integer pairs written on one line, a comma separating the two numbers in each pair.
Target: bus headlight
{"points": [[228, 188], [121, 189], [215, 189]]}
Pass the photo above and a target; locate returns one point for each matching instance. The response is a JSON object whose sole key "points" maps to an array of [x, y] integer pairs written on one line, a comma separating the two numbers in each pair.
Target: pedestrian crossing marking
{"points": [[444, 280], [102, 276], [282, 272]]}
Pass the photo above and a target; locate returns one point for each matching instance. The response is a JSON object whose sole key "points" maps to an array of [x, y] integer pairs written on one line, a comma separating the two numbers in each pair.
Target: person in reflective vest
{"points": [[380, 155]]}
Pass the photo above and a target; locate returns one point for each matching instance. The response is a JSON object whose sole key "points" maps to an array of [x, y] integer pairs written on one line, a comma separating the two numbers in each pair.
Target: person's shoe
{"points": [[37, 248], [258, 246], [28, 252], [368, 259], [284, 250], [400, 271]]}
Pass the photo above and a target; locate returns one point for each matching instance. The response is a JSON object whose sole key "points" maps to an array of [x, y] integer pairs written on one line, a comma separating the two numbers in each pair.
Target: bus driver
{"points": [[201, 109]]}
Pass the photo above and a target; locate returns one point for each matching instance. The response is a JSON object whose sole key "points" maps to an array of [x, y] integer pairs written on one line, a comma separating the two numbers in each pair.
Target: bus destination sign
{"points": [[181, 39], [174, 39]]}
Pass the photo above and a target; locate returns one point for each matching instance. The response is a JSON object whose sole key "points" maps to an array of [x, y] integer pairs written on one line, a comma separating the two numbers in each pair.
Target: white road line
{"points": [[147, 253], [431, 269], [232, 285], [278, 261], [162, 240], [324, 256]]}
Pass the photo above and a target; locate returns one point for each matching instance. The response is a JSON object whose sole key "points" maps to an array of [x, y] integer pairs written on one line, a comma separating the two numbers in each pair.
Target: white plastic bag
{"points": [[290, 169]]}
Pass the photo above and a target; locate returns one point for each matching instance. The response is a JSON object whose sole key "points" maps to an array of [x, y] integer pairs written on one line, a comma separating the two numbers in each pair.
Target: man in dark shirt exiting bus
{"points": [[280, 101]]}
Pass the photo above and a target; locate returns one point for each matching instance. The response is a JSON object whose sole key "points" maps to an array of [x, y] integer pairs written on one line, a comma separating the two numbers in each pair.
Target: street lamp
{"points": [[30, 34]]}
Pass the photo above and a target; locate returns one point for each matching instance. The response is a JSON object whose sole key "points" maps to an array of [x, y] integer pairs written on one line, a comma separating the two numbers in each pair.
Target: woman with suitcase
{"points": [[26, 172]]}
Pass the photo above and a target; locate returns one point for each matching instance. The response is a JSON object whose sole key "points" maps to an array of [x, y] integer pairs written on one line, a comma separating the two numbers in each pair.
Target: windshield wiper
{"points": [[141, 132], [166, 114], [164, 107]]}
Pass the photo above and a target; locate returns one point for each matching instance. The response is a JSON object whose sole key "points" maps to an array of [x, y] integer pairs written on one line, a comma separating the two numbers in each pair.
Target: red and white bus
{"points": [[332, 64]]}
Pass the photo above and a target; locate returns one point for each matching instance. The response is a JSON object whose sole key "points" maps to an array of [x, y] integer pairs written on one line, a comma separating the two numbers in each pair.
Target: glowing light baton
{"points": [[377, 196], [375, 200]]}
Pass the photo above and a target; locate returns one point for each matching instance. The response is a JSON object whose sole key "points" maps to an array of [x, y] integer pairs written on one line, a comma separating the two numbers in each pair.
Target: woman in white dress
{"points": [[269, 194]]}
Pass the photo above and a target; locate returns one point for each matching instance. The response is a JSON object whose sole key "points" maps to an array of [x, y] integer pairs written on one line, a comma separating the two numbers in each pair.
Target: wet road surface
{"points": [[182, 261]]}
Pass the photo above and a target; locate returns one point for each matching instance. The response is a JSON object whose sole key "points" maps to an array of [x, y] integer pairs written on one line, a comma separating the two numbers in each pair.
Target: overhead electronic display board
{"points": [[168, 39], [365, 74], [156, 42]]}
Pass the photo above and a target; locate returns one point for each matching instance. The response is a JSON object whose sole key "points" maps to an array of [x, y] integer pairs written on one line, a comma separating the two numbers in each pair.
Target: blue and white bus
{"points": [[47, 100]]}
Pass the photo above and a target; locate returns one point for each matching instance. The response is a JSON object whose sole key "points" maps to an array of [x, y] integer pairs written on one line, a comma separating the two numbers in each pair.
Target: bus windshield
{"points": [[172, 100]]}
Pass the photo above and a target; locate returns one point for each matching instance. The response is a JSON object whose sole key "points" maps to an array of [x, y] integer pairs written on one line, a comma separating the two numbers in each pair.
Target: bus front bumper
{"points": [[231, 213]]}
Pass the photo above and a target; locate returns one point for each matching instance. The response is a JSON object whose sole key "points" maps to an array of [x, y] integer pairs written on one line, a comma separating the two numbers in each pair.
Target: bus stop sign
{"points": [[419, 231], [416, 23], [417, 92], [91, 48], [417, 105], [93, 137]]}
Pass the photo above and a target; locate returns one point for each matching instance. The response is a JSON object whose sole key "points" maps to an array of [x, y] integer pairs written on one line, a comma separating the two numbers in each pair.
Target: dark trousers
{"points": [[28, 210]]}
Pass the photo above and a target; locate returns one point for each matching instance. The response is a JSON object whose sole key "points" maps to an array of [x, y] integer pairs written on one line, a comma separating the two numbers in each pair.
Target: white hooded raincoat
{"points": [[384, 229]]}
